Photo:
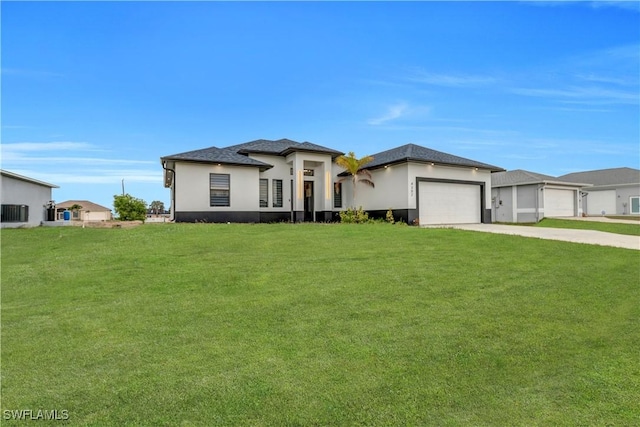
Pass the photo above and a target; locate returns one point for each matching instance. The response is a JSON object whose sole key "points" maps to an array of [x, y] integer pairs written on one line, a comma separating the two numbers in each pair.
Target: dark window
{"points": [[337, 195], [277, 193], [264, 193], [219, 189], [15, 213]]}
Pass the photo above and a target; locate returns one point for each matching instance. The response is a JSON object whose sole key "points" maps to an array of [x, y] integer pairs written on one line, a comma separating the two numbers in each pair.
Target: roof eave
{"points": [[434, 163], [263, 167], [290, 150]]}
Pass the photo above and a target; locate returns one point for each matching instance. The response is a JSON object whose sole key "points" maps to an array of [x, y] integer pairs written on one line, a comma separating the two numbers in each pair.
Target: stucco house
{"points": [[613, 191], [285, 180], [524, 196], [24, 200], [90, 211]]}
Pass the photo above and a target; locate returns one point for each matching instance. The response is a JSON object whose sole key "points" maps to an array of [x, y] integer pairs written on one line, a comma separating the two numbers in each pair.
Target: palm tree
{"points": [[75, 208], [351, 164]]}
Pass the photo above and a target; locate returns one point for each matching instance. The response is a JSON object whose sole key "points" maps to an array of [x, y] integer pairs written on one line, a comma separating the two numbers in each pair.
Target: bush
{"points": [[354, 216], [129, 208], [389, 217]]}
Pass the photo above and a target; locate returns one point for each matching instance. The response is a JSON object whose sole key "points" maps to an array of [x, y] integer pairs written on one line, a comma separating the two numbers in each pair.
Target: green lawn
{"points": [[317, 325], [609, 227]]}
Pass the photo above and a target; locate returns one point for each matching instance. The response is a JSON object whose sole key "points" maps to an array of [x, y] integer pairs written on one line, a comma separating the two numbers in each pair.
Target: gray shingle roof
{"points": [[218, 155], [281, 147], [413, 152], [308, 146], [606, 176], [263, 146], [237, 154], [522, 177]]}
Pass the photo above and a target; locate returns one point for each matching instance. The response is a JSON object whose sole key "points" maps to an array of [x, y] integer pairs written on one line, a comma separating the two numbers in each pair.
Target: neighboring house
{"points": [[90, 211], [613, 191], [285, 180], [24, 200], [523, 196], [158, 216]]}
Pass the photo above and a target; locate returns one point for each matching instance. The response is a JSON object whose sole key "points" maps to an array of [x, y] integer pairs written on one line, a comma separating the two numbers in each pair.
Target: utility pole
{"points": [[123, 186]]}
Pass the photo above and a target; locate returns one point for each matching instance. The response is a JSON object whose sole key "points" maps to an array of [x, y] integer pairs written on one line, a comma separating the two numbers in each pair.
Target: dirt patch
{"points": [[107, 224]]}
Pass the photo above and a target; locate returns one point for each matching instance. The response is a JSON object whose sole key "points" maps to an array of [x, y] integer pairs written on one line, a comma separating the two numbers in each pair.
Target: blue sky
{"points": [[94, 93]]}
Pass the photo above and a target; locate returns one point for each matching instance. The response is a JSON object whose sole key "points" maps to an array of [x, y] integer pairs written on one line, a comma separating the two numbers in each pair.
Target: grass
{"points": [[609, 227], [625, 217], [317, 325]]}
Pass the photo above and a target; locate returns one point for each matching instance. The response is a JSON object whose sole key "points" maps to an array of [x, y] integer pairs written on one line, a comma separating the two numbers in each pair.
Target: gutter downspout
{"points": [[538, 189], [173, 192]]}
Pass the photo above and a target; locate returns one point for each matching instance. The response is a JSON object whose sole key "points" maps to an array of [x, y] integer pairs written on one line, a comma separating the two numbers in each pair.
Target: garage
{"points": [[559, 203], [449, 203]]}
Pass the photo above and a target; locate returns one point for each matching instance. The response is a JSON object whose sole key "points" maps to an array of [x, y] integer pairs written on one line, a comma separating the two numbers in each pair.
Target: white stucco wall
{"points": [[96, 216], [192, 187], [391, 189], [395, 186], [421, 170], [19, 192], [280, 170], [322, 180]]}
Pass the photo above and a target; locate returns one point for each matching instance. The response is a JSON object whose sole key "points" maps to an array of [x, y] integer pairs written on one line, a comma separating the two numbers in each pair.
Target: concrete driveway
{"points": [[591, 237]]}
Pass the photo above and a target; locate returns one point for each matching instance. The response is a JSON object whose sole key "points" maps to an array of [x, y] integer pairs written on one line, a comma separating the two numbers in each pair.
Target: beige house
{"points": [[89, 212]]}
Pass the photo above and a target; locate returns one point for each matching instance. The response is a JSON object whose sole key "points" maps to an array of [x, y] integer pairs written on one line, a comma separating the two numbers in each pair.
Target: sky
{"points": [[94, 93]]}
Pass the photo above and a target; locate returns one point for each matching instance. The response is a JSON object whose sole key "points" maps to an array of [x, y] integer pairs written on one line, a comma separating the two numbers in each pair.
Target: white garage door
{"points": [[558, 202], [448, 203], [598, 201]]}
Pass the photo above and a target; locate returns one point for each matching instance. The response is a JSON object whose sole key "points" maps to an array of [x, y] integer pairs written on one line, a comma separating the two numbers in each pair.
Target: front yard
{"points": [[609, 227], [310, 324]]}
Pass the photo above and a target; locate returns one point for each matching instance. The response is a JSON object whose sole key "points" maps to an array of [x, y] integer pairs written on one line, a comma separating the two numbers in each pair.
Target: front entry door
{"points": [[308, 201]]}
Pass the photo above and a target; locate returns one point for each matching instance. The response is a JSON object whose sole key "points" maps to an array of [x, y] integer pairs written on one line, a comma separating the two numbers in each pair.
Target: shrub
{"points": [[389, 217], [354, 216], [129, 208]]}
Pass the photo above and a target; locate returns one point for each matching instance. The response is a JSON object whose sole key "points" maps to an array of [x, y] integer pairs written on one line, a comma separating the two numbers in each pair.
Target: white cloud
{"points": [[450, 80], [11, 157], [106, 176], [585, 95], [46, 146], [628, 4], [393, 112]]}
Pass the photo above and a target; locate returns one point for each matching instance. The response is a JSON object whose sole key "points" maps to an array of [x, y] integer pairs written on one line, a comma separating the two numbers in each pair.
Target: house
{"points": [[285, 180], [24, 200], [523, 196], [425, 186], [89, 212], [613, 191], [154, 215], [258, 181]]}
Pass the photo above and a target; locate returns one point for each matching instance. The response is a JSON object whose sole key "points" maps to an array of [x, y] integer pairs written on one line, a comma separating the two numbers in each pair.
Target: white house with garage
{"points": [[523, 196], [285, 180], [24, 200], [613, 191]]}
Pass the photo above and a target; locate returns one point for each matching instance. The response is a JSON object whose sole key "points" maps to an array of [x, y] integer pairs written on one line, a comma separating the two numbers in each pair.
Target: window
{"points": [[337, 195], [15, 213], [635, 205], [277, 193], [264, 193], [219, 189], [309, 172]]}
